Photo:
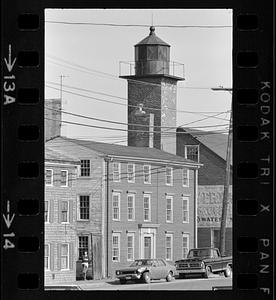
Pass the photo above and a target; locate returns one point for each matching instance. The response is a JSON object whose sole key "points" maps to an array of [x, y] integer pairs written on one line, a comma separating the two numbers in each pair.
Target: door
{"points": [[147, 247], [96, 257]]}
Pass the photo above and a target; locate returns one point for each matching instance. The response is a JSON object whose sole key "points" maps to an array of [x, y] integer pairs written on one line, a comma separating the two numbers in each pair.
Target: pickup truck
{"points": [[204, 262]]}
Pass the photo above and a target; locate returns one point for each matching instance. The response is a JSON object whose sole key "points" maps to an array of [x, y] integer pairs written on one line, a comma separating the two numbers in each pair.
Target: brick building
{"points": [[132, 202], [60, 222], [208, 148]]}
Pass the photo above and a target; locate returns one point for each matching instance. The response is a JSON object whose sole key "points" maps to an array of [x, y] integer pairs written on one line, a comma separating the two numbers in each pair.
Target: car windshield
{"points": [[141, 262], [199, 253]]}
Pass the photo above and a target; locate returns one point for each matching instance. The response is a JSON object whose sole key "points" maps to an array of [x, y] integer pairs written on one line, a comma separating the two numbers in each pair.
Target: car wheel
{"points": [[208, 272], [169, 277], [228, 271], [122, 281], [146, 277]]}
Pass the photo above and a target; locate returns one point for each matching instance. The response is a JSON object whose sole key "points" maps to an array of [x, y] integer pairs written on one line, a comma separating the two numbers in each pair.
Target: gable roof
{"points": [[53, 155], [127, 151], [216, 142]]}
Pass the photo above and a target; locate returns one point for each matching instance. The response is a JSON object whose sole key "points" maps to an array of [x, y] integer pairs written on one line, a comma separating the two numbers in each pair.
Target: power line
{"points": [[122, 123], [122, 104], [136, 25], [126, 99], [120, 129]]}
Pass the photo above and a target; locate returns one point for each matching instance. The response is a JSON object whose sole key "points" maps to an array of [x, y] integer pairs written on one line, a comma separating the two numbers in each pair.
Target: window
{"points": [[83, 245], [116, 247], [169, 209], [47, 257], [64, 178], [85, 168], [49, 177], [185, 177], [130, 246], [130, 207], [131, 172], [147, 173], [192, 152], [185, 209], [147, 210], [169, 245], [46, 211], [169, 176], [84, 205], [64, 212], [116, 172], [116, 206], [64, 258], [185, 245]]}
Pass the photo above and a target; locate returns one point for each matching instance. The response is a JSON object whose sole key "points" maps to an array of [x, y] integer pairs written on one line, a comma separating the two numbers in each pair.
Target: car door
{"points": [[155, 270], [163, 268]]}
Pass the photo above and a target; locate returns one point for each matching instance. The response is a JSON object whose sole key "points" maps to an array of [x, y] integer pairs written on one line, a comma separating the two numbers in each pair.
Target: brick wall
{"points": [[213, 170], [162, 95], [158, 191]]}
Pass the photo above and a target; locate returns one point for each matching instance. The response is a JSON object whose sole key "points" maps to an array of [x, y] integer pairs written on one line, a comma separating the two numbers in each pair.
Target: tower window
{"points": [[152, 53]]}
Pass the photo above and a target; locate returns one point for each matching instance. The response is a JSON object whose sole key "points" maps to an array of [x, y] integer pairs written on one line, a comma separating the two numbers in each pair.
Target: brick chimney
{"points": [[52, 113]]}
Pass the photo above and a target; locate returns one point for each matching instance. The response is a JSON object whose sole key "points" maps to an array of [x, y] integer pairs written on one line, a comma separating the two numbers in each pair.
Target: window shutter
{"points": [[78, 208], [59, 210], [51, 210], [52, 256], [70, 203], [58, 256], [71, 256]]}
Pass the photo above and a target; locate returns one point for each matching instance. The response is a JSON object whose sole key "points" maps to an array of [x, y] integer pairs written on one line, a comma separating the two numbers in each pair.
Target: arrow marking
{"points": [[10, 63], [7, 219]]}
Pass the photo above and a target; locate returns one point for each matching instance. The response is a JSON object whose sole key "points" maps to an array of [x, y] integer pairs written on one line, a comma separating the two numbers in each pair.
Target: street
{"points": [[176, 284]]}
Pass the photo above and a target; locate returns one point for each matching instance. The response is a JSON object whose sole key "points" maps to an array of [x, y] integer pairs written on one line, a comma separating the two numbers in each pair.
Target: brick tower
{"points": [[152, 96]]}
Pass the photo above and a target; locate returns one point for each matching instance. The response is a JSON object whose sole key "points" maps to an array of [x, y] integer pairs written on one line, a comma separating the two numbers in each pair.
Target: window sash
{"points": [[169, 176], [185, 177], [84, 207], [85, 168], [116, 247], [130, 207], [130, 247], [64, 212], [192, 152], [64, 178], [147, 208], [147, 173], [116, 206], [49, 176], [116, 172], [83, 245], [169, 246], [64, 257], [185, 209], [131, 172], [169, 209], [185, 245]]}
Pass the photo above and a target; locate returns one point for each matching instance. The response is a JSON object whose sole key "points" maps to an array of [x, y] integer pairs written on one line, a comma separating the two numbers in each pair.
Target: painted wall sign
{"points": [[210, 206]]}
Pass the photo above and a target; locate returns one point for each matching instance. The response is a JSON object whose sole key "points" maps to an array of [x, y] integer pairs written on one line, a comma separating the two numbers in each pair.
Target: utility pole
{"points": [[225, 200]]}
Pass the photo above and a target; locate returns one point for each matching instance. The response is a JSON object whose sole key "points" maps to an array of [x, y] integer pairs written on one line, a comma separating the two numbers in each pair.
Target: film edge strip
{"points": [[246, 133]]}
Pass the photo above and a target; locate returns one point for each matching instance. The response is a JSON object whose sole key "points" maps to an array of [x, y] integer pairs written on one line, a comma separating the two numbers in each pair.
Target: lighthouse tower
{"points": [[152, 96]]}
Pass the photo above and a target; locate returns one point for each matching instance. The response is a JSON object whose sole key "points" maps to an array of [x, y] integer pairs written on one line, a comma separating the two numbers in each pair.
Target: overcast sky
{"points": [[87, 54]]}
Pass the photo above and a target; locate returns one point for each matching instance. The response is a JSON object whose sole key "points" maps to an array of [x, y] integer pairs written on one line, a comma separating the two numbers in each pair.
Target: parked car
{"points": [[204, 261], [146, 269]]}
